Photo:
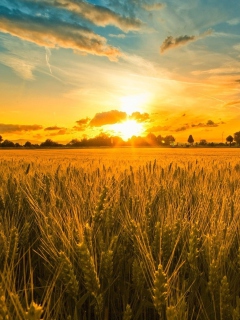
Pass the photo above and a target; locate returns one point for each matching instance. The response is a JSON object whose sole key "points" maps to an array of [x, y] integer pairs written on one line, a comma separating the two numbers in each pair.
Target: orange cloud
{"points": [[16, 128], [83, 121], [109, 117], [53, 128], [139, 117]]}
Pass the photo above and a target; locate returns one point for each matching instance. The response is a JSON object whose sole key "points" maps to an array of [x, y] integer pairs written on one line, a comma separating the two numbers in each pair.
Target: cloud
{"points": [[22, 68], [119, 36], [54, 128], [171, 42], [231, 103], [16, 128], [60, 132], [183, 128], [237, 47], [154, 6], [81, 124], [158, 129], [52, 33], [139, 117], [109, 117], [99, 15], [210, 123], [234, 22], [83, 121]]}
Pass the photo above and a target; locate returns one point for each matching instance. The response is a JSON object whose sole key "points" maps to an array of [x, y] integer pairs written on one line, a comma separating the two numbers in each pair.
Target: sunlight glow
{"points": [[128, 129], [133, 103]]}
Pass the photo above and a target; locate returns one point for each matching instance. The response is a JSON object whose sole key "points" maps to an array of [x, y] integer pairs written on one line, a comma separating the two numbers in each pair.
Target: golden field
{"points": [[120, 234]]}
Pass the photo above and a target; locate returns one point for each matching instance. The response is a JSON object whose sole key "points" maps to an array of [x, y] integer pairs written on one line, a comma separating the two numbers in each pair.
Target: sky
{"points": [[71, 69]]}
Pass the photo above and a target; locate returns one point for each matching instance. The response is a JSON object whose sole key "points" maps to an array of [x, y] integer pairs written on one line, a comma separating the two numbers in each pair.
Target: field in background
{"points": [[120, 234]]}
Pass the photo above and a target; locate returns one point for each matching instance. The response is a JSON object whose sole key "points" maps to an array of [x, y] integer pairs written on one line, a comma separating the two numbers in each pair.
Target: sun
{"points": [[127, 129]]}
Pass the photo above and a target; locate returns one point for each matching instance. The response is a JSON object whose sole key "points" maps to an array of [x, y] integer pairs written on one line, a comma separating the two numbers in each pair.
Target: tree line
{"points": [[103, 140]]}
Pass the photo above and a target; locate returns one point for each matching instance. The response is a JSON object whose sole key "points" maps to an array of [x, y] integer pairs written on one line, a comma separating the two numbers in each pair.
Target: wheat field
{"points": [[141, 234]]}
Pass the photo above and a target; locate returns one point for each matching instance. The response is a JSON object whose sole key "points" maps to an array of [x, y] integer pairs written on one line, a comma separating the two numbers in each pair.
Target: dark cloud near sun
{"points": [[54, 32], [17, 128], [170, 42], [83, 121], [210, 123], [61, 132], [140, 117], [156, 129], [54, 128], [81, 124], [109, 117]]}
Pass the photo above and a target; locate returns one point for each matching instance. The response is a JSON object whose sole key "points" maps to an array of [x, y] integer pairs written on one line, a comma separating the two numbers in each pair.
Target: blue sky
{"points": [[65, 64]]}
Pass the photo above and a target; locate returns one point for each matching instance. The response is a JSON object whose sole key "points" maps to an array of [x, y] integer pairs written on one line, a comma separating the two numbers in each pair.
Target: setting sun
{"points": [[128, 129]]}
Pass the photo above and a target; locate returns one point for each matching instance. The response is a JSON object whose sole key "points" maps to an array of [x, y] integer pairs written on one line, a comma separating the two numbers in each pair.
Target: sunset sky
{"points": [[71, 68]]}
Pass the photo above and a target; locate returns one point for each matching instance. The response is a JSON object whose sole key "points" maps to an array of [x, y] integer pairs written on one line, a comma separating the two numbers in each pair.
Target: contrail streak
{"points": [[48, 54]]}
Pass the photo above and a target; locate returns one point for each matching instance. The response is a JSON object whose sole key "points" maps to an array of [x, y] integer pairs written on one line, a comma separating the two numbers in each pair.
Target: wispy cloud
{"points": [[49, 33], [119, 36], [16, 128], [234, 22], [153, 6], [22, 68], [171, 42], [48, 54]]}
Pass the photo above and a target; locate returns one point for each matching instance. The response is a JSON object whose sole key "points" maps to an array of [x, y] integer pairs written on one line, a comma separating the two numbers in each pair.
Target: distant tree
{"points": [[160, 140], [1, 139], [237, 137], [28, 144], [230, 140], [203, 142], [151, 139], [7, 144], [50, 143], [169, 140], [190, 139], [17, 145]]}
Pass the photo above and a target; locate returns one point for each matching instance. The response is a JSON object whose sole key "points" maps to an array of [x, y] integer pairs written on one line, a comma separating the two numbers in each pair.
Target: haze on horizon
{"points": [[71, 69]]}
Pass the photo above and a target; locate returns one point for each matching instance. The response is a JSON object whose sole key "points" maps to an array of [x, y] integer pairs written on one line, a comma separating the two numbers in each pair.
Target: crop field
{"points": [[120, 234]]}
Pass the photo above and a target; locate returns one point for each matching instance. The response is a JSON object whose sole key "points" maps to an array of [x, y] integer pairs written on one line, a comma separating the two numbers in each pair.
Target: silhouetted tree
{"points": [[7, 144], [1, 139], [151, 139], [237, 137], [169, 140], [75, 143], [190, 139], [50, 143], [28, 144], [17, 145], [230, 140], [203, 142]]}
